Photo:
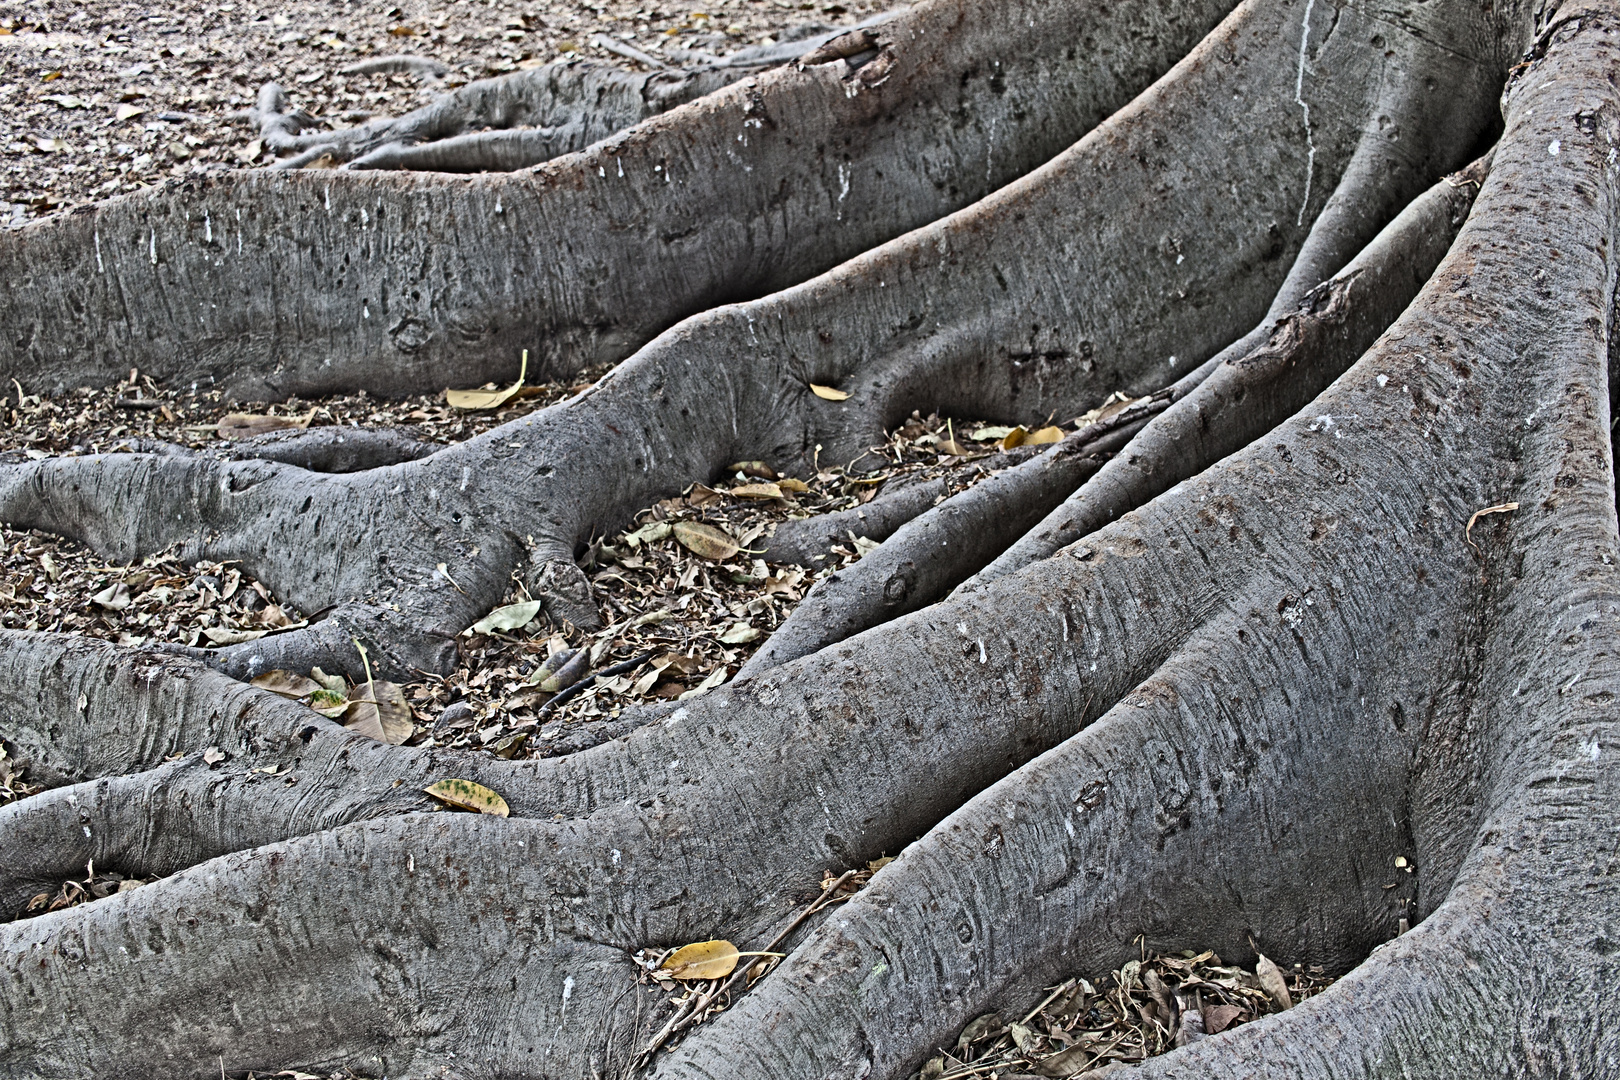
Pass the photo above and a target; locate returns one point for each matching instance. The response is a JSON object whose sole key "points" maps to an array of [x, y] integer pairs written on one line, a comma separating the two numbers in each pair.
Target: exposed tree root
{"points": [[1208, 414], [335, 450], [1247, 396], [1190, 729], [514, 121], [919, 321], [270, 284]]}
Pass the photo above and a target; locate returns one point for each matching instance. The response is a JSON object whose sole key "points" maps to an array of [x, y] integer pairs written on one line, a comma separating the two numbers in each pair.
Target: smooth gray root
{"points": [[936, 550], [1246, 396], [335, 449], [586, 258], [807, 541], [1213, 411], [1343, 658], [517, 120], [921, 322]]}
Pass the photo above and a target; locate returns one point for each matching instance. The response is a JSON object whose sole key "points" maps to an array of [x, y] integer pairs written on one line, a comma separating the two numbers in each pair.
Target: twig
{"points": [[1048, 1000], [568, 693], [1499, 508]]}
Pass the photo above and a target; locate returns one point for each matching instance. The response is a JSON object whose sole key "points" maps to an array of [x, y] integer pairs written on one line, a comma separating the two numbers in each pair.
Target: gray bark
{"points": [[272, 284], [1220, 722]]}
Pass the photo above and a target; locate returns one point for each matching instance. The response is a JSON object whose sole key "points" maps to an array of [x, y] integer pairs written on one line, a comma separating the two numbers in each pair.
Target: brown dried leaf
{"points": [[1217, 1018], [1273, 984], [828, 393], [248, 425], [706, 541], [1044, 436], [476, 400], [701, 960], [380, 711], [756, 491], [286, 683]]}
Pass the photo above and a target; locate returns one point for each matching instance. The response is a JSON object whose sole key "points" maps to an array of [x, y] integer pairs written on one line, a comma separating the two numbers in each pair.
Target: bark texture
{"points": [[1290, 651]]}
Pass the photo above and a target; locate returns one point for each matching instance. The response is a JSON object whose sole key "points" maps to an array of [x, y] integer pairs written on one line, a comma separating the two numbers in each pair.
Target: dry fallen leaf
{"points": [[466, 795], [286, 683], [827, 393], [757, 491], [510, 617], [114, 597], [752, 468], [1217, 1018], [234, 426], [788, 483], [740, 634], [1044, 436], [127, 111], [702, 960], [1270, 978], [379, 711], [329, 703], [1014, 437], [474, 400], [705, 540], [219, 635]]}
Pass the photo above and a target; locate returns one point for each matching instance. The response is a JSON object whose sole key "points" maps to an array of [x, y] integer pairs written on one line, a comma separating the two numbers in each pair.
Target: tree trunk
{"points": [[1297, 645]]}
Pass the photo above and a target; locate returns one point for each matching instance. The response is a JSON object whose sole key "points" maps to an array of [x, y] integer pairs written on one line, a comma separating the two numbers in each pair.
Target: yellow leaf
{"points": [[1044, 436], [487, 399], [1016, 437], [757, 491], [702, 960], [286, 683], [379, 710], [705, 540], [827, 393], [466, 795], [788, 483]]}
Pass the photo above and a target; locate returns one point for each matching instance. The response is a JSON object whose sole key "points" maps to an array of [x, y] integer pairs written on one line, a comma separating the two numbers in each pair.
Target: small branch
{"points": [[567, 694]]}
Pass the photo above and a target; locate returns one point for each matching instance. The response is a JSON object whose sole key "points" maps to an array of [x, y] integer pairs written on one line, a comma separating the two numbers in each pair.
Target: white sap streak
{"points": [[100, 269], [1299, 99]]}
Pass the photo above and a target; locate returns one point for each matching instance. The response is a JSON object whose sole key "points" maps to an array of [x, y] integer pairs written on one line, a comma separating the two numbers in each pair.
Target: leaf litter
{"points": [[685, 595]]}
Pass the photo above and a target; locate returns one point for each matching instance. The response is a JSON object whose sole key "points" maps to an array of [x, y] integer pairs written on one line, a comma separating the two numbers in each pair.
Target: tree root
{"points": [[1208, 414], [808, 540], [938, 549], [1192, 731], [531, 115], [335, 450], [1248, 395], [442, 551], [594, 254]]}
